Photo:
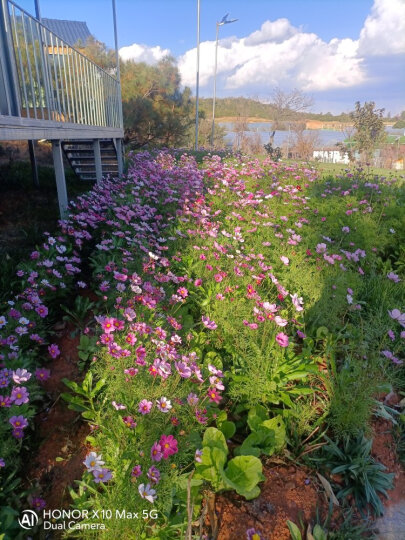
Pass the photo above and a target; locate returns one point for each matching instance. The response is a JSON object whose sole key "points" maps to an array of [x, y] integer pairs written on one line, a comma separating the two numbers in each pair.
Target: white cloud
{"points": [[277, 54], [143, 53], [383, 32]]}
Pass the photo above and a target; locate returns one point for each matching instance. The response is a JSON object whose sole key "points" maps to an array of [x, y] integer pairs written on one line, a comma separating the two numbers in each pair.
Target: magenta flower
{"points": [[38, 503], [5, 401], [53, 351], [129, 422], [42, 374], [145, 406], [214, 395], [19, 395], [108, 325], [42, 311], [18, 422], [282, 339], [168, 444], [136, 471], [156, 453]]}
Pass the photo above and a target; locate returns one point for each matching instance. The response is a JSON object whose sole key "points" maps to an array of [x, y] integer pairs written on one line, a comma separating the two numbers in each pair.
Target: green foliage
{"points": [[268, 434], [369, 125], [273, 153], [317, 533], [86, 349], [242, 473], [362, 476], [79, 314]]}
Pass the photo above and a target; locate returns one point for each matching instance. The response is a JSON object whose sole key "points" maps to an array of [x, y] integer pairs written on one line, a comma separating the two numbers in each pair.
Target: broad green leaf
{"points": [[228, 429], [243, 473], [277, 425], [256, 416]]}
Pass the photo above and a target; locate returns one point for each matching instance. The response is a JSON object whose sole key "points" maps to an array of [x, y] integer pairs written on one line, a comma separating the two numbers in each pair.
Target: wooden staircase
{"points": [[80, 154]]}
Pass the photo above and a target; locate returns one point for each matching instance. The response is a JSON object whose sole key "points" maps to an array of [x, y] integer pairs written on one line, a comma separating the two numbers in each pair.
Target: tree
{"points": [[288, 105], [369, 125]]}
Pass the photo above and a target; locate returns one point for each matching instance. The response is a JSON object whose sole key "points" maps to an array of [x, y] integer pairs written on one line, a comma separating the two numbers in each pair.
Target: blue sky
{"points": [[335, 50]]}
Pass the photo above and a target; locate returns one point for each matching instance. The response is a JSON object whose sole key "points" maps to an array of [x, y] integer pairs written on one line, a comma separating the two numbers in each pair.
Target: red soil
{"points": [[62, 431]]}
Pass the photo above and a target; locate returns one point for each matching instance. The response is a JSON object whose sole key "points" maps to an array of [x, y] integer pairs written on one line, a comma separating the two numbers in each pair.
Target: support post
{"points": [[60, 178], [97, 160], [33, 159], [118, 146]]}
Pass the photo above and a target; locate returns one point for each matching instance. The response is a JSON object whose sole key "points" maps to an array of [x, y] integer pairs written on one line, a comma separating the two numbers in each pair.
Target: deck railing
{"points": [[52, 80]]}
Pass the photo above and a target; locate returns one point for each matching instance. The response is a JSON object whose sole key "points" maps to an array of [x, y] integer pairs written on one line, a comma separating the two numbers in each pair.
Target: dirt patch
{"points": [[62, 431], [288, 492], [384, 450]]}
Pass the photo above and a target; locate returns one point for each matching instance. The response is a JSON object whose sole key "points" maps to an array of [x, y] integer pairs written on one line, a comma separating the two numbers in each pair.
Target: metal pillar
{"points": [[118, 146], [97, 160], [33, 159], [60, 178], [197, 82]]}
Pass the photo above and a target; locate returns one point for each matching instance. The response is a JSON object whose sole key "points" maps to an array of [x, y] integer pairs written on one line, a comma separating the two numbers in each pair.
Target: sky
{"points": [[336, 51]]}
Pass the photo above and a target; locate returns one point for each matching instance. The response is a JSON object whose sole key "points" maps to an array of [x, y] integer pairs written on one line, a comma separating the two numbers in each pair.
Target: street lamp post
{"points": [[197, 82], [223, 21]]}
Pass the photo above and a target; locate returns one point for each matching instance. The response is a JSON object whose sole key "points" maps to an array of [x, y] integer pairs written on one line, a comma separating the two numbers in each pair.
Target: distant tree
{"points": [[304, 144], [288, 105], [369, 125]]}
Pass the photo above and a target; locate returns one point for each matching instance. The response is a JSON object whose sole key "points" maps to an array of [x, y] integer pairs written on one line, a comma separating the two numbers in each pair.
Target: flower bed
{"points": [[244, 309]]}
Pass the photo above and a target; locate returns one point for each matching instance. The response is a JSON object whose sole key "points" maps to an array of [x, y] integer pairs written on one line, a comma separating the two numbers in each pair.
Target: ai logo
{"points": [[28, 520]]}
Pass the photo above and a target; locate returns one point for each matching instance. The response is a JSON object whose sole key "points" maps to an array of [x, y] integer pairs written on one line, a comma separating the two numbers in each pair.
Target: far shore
{"points": [[310, 124]]}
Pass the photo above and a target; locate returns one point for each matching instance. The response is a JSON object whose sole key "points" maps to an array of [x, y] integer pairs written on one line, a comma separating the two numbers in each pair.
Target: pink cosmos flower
{"points": [[108, 325], [285, 260], [211, 325], [163, 404], [156, 453], [136, 471], [21, 376], [153, 474], [213, 395], [145, 406], [192, 399], [118, 406], [282, 339], [129, 422], [168, 444]]}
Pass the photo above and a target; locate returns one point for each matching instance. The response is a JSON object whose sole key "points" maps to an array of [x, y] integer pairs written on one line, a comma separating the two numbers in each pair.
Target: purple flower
{"points": [[54, 350], [2, 462], [18, 422], [102, 475], [38, 503], [198, 455], [211, 325], [156, 452], [136, 471], [93, 462], [393, 277], [153, 474], [18, 433], [42, 374], [118, 406], [19, 395], [5, 401], [253, 534], [192, 399], [146, 492]]}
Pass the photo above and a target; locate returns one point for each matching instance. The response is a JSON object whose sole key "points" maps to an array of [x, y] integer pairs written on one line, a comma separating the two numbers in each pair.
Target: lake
{"points": [[326, 137]]}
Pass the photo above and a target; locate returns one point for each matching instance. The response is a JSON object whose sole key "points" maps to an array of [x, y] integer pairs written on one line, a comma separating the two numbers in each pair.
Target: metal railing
{"points": [[55, 81]]}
